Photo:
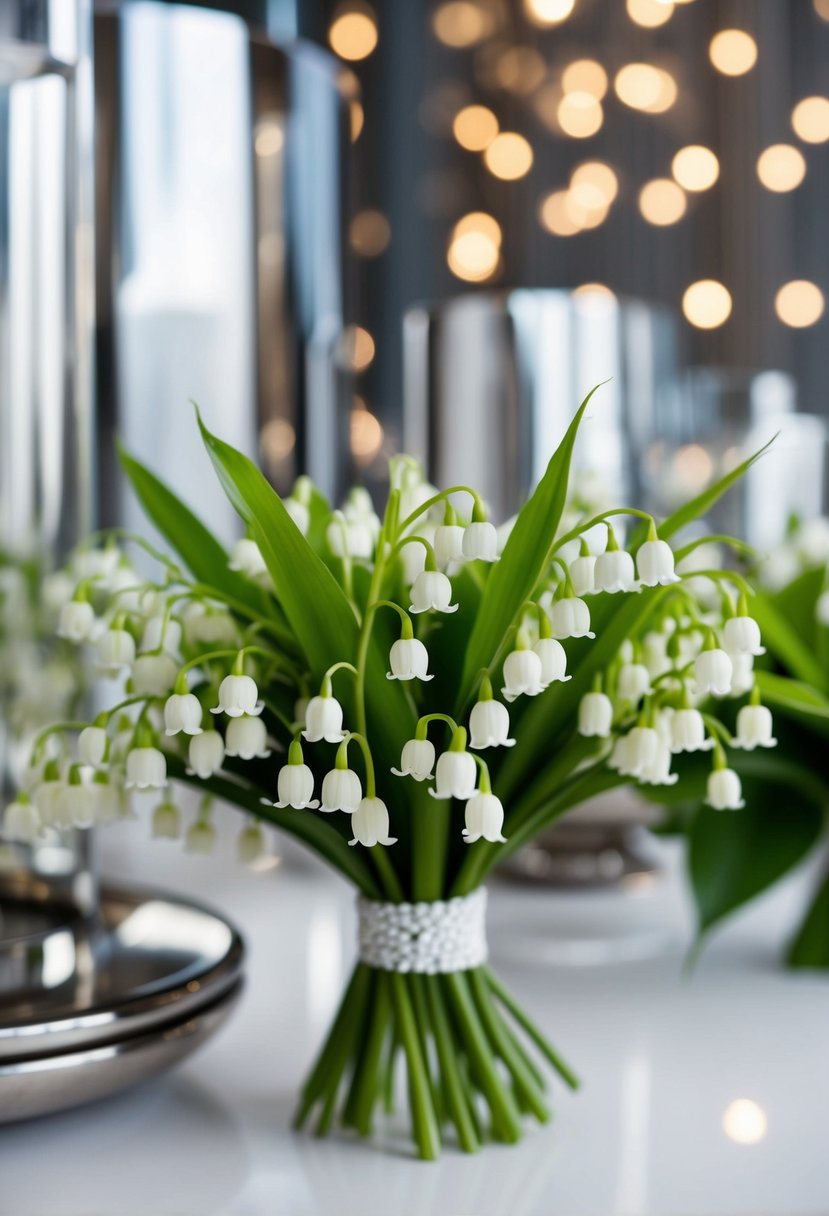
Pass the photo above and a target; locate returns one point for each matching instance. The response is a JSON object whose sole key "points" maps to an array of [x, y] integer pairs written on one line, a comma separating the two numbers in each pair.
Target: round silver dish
{"points": [[144, 968]]}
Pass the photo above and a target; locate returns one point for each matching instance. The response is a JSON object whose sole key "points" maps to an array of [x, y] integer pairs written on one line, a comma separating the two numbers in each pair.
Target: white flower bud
{"points": [[166, 823], [713, 671], [655, 563], [92, 746], [409, 660], [642, 748], [247, 738], [324, 720], [295, 787], [21, 822], [614, 571], [250, 845], [238, 695], [432, 591], [448, 544], [571, 618], [553, 661], [146, 769], [522, 675], [754, 728], [595, 715], [582, 574], [484, 818], [299, 513], [200, 838], [489, 725], [161, 635], [154, 675], [417, 759], [350, 539], [724, 792], [688, 732], [634, 683], [455, 776], [214, 629], [370, 824], [77, 805], [115, 651], [341, 791], [658, 770], [77, 621], [183, 712], [741, 635], [742, 674], [247, 559], [480, 542], [207, 752]]}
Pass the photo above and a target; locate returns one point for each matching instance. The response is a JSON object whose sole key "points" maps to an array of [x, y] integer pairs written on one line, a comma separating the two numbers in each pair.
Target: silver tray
{"points": [[146, 959]]}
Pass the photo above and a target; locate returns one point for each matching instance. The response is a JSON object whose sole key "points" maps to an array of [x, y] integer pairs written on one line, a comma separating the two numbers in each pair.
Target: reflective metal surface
{"points": [[145, 960], [491, 381]]}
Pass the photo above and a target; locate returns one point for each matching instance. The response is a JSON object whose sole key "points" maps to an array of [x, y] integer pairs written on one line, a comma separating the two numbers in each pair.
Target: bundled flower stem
{"points": [[414, 697]]}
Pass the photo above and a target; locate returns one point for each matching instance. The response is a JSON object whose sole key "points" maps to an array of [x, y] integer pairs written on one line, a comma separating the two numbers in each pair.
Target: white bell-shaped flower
{"points": [[247, 738], [250, 844], [480, 542], [655, 564], [595, 715], [206, 753], [489, 725], [115, 651], [93, 744], [417, 759], [247, 559], [295, 783], [182, 713], [370, 824], [484, 819], [324, 720], [742, 674], [110, 799], [741, 635], [455, 772], [146, 769], [634, 683], [658, 771], [166, 821], [200, 838], [76, 621], [21, 822], [448, 544], [214, 629], [353, 539], [553, 661], [618, 759], [724, 791], [432, 591], [688, 732], [154, 675], [238, 695], [522, 675], [614, 572], [299, 513], [342, 790], [713, 671], [409, 660], [45, 796], [642, 748], [571, 618], [583, 574], [655, 653], [161, 633], [754, 728]]}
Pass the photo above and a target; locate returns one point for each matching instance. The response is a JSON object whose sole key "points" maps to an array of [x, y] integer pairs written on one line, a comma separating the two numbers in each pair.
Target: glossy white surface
{"points": [[654, 1130]]}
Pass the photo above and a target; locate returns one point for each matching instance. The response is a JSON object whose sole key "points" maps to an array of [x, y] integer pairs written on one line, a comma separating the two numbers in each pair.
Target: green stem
{"points": [[523, 1079], [367, 1079], [427, 1132], [531, 1030], [460, 1107]]}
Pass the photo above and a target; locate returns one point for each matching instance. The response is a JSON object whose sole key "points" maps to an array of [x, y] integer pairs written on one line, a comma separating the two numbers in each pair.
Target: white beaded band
{"points": [[446, 935]]}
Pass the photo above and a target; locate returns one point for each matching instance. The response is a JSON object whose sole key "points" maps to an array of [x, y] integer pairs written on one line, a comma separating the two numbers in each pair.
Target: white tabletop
{"points": [[654, 1129]]}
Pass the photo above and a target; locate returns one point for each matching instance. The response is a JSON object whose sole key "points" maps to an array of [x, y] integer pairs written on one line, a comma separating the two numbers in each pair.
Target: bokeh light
{"points": [[643, 86], [822, 8], [810, 119], [799, 303], [733, 52], [356, 118], [579, 115], [706, 304], [474, 247], [269, 138], [781, 168], [662, 201], [509, 156], [369, 233], [366, 433], [548, 12], [594, 290], [475, 127], [585, 76], [695, 167], [277, 440], [744, 1121], [358, 348], [650, 13], [519, 69], [554, 214], [461, 23], [482, 222], [597, 176], [353, 33]]}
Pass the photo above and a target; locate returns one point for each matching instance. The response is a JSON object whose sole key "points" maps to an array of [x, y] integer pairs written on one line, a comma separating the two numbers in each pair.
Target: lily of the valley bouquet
{"points": [[414, 696]]}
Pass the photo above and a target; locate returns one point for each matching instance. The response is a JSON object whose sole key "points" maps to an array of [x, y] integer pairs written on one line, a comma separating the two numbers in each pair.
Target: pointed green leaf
{"points": [[702, 504], [786, 643], [524, 559], [810, 947], [796, 699]]}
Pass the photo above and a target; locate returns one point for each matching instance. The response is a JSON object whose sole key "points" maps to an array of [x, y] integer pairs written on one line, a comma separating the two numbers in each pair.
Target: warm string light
{"points": [[461, 23], [475, 247], [579, 115], [509, 156], [706, 304], [695, 167], [781, 168], [369, 233], [353, 33], [475, 127], [662, 202], [650, 13], [548, 12], [644, 86], [810, 120], [584, 204], [733, 52], [585, 76], [799, 303]]}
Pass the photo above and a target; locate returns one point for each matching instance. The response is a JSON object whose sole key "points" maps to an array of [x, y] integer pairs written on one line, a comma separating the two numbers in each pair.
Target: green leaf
{"points": [[810, 947], [311, 598], [797, 602], [735, 855], [796, 699], [524, 559], [194, 543], [786, 643], [703, 502]]}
